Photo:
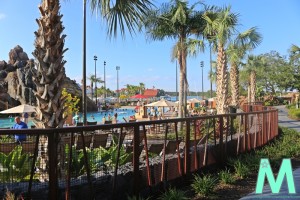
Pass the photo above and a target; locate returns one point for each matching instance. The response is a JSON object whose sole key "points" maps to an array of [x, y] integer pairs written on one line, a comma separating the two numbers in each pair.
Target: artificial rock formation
{"points": [[16, 84]]}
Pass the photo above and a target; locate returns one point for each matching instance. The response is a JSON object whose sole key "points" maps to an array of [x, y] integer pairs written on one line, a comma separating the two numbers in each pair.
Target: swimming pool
{"points": [[91, 116]]}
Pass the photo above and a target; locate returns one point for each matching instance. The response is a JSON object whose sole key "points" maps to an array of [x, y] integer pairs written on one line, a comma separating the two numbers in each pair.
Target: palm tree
{"points": [[93, 80], [220, 25], [49, 50], [142, 88], [176, 20], [50, 72], [254, 63], [236, 51]]}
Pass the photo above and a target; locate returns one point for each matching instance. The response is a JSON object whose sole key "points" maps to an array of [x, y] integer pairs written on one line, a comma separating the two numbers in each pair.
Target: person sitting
{"points": [[20, 125]]}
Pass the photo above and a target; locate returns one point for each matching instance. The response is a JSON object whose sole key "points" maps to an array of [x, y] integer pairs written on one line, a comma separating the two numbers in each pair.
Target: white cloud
{"points": [[2, 16], [150, 69]]}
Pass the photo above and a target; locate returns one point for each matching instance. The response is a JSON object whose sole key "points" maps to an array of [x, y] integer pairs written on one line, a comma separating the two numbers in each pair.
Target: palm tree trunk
{"points": [[181, 86], [252, 85], [185, 84], [249, 92], [234, 81], [49, 75], [222, 81]]}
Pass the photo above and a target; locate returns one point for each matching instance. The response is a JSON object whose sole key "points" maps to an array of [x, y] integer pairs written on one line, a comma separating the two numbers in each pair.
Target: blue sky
{"points": [[142, 60]]}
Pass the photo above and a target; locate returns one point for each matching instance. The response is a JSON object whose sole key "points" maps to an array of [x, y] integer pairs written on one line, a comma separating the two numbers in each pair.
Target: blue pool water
{"points": [[122, 113]]}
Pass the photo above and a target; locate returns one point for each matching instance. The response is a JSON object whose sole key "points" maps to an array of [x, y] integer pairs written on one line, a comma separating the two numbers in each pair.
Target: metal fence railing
{"points": [[114, 159]]}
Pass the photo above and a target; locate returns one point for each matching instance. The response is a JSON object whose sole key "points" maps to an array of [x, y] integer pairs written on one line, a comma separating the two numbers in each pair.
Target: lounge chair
{"points": [[99, 140], [155, 148]]}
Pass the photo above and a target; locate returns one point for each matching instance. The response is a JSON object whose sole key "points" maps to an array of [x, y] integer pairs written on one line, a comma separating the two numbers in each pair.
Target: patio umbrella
{"points": [[20, 109], [161, 103], [138, 96], [193, 100]]}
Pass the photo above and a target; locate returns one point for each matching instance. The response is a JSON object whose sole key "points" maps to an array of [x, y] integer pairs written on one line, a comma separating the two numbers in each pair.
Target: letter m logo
{"points": [[265, 170]]}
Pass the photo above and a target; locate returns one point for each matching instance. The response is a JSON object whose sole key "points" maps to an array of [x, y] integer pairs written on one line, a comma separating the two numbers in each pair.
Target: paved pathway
{"points": [[284, 121]]}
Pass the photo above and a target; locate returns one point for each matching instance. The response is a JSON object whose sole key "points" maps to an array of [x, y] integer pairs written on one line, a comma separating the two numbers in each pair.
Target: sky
{"points": [[140, 59]]}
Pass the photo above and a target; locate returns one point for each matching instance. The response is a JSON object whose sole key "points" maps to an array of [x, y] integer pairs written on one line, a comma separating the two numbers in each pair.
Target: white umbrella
{"points": [[161, 103], [193, 100], [20, 109]]}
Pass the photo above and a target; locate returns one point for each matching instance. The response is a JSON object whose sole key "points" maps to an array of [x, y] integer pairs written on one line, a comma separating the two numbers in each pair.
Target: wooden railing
{"points": [[201, 141]]}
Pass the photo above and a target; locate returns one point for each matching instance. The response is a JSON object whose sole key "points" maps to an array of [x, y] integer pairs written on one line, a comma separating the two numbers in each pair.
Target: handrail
{"points": [[253, 129]]}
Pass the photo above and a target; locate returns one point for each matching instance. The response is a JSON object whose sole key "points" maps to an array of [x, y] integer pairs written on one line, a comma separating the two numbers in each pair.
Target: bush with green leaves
{"points": [[241, 169], [173, 194], [15, 166], [294, 113], [226, 177], [98, 158], [204, 186]]}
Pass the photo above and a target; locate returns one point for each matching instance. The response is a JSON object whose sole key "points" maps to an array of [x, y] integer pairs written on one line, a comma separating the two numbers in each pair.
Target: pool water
{"points": [[91, 117]]}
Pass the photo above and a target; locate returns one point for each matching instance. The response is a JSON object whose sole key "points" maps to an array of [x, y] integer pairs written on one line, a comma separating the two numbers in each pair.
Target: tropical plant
{"points": [[15, 166], [220, 25], [109, 156], [71, 103], [177, 20], [173, 194], [204, 186], [95, 80], [49, 49], [226, 177], [241, 169], [236, 51]]}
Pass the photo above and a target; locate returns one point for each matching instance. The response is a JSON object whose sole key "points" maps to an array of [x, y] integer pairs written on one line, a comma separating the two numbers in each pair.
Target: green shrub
{"points": [[173, 194], [226, 177], [241, 169], [204, 186], [294, 113], [15, 166]]}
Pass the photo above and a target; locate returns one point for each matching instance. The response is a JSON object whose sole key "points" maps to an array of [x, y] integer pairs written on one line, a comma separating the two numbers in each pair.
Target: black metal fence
{"points": [[106, 161]]}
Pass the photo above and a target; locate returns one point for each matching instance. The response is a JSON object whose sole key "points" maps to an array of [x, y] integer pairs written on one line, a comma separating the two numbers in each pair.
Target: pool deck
{"points": [[283, 121]]}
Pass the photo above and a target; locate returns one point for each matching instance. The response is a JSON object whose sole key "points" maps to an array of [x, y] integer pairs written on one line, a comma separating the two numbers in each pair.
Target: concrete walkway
{"points": [[283, 121]]}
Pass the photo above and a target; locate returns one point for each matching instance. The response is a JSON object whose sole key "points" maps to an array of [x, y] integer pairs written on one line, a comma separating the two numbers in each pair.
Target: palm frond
{"points": [[122, 14]]}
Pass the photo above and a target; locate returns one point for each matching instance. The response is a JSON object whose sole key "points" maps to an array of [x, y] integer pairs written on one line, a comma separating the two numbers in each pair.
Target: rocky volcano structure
{"points": [[16, 85]]}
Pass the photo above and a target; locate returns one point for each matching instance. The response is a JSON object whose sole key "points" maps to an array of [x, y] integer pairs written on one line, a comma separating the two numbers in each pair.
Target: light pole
{"points": [[202, 66], [118, 92], [104, 82], [84, 107], [176, 83], [104, 85], [210, 62], [95, 59]]}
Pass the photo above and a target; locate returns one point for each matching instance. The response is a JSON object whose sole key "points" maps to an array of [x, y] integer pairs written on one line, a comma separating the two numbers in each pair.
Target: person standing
{"points": [[20, 125], [25, 117]]}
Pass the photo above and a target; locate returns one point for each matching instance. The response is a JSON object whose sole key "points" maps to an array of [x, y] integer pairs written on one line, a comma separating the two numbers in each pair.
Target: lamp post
{"points": [[104, 82], [202, 66], [84, 107], [104, 86], [95, 59], [118, 93], [176, 83], [210, 62]]}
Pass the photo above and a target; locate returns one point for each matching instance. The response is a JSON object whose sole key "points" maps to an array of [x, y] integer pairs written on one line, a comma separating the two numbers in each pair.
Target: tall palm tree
{"points": [[142, 87], [236, 51], [49, 50], [93, 80], [50, 72], [221, 28], [176, 20], [253, 64]]}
